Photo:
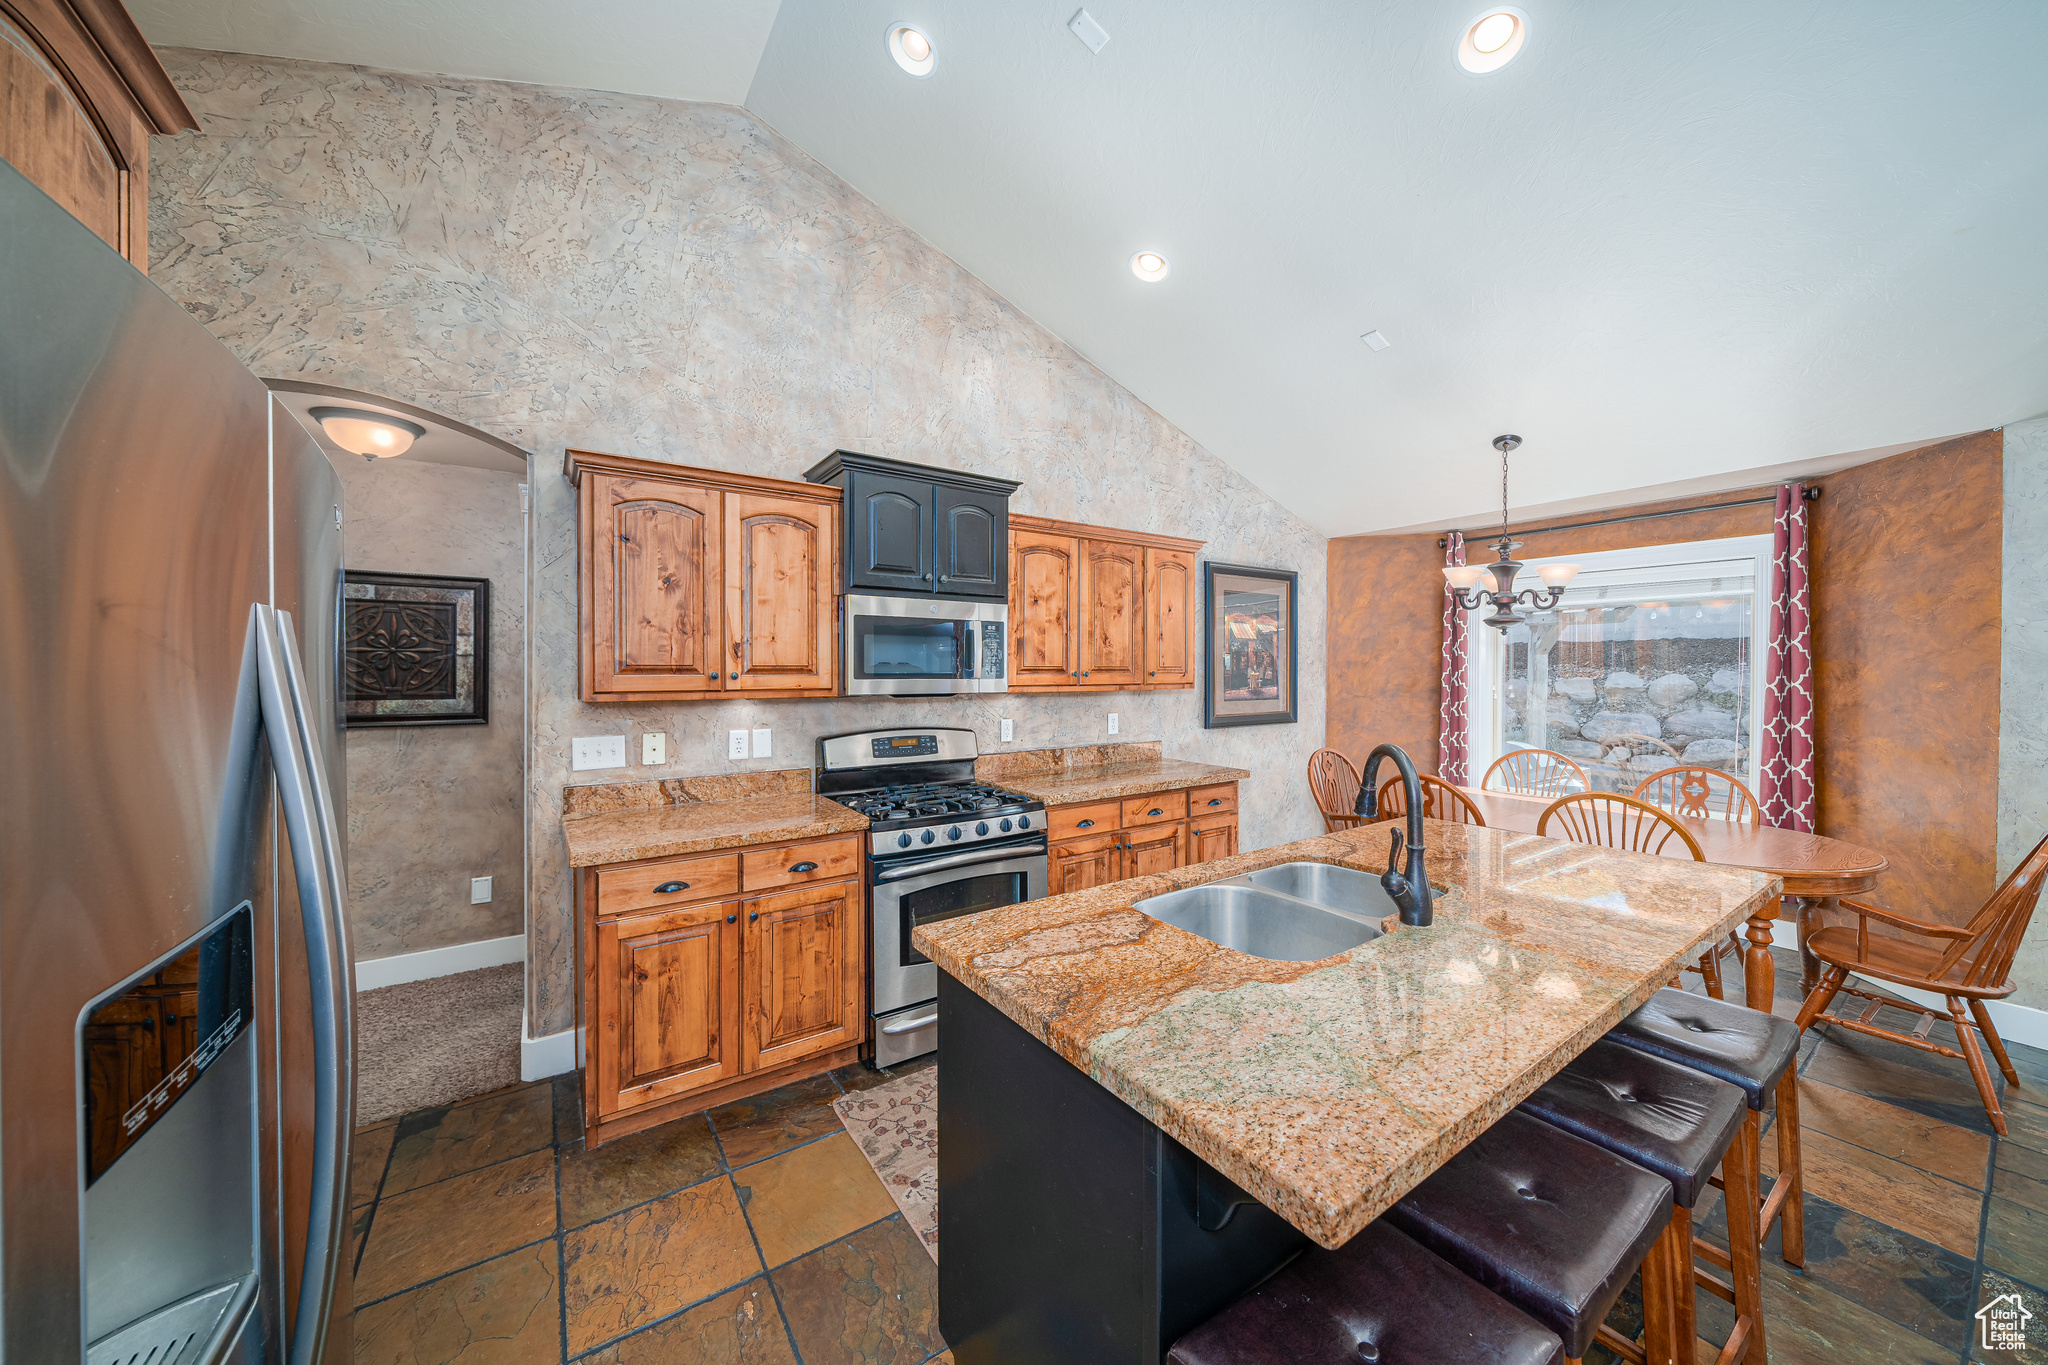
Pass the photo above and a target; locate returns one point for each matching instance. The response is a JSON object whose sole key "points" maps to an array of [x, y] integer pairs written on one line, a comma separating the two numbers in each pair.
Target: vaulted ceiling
{"points": [[1674, 246]]}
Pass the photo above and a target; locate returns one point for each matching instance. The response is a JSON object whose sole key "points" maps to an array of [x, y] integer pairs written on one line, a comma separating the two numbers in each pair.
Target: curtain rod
{"points": [[1810, 495]]}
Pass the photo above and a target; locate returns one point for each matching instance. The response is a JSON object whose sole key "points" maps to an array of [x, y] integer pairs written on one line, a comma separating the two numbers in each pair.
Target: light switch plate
{"points": [[479, 890], [1009, 730], [735, 744], [653, 749], [764, 746], [597, 751], [1112, 722]]}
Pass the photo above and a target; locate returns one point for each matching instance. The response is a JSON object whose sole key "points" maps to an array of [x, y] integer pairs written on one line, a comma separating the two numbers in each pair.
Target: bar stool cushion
{"points": [[1547, 1220], [1741, 1046], [1378, 1298], [1664, 1117]]}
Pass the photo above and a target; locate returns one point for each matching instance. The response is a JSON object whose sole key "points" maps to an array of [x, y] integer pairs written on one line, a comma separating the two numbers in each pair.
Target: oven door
{"points": [[917, 891], [912, 646]]}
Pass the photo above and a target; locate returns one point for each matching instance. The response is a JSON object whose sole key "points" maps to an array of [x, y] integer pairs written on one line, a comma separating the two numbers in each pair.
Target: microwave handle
{"points": [[970, 661]]}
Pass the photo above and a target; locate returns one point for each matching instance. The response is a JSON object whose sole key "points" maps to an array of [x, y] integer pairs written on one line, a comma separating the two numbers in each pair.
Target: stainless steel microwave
{"points": [[924, 647]]}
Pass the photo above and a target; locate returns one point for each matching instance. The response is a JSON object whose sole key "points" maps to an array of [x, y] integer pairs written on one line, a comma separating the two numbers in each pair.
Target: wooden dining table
{"points": [[1816, 870]]}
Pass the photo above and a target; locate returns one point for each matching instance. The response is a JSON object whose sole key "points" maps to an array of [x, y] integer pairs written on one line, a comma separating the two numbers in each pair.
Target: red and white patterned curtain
{"points": [[1451, 751], [1785, 767]]}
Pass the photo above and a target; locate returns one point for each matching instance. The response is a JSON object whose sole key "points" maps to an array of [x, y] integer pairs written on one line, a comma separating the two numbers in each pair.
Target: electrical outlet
{"points": [[1112, 722], [653, 749], [764, 746], [735, 744], [1009, 730], [597, 751], [479, 890]]}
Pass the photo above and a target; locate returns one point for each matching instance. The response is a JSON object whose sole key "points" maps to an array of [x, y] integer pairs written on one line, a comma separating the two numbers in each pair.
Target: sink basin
{"points": [[1262, 923], [1336, 888]]}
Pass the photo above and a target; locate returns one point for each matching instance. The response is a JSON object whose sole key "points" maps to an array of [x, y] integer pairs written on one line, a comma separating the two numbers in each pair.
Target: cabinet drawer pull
{"points": [[803, 867], [1155, 811], [1086, 824], [1215, 800], [670, 888], [732, 919]]}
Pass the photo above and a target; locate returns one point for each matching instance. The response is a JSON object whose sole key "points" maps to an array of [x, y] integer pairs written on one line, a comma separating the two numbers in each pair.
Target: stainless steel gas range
{"points": [[940, 844]]}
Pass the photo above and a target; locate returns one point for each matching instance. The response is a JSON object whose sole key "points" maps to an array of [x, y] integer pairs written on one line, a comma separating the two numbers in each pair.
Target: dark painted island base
{"points": [[1072, 1231]]}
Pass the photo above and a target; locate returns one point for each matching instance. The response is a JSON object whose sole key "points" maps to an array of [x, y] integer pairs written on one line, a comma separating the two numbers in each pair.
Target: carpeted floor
{"points": [[431, 1043]]}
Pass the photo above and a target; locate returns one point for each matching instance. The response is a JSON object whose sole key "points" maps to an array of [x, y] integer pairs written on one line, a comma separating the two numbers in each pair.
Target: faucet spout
{"points": [[1408, 888]]}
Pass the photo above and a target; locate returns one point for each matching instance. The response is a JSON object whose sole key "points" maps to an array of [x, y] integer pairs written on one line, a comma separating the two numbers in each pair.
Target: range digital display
{"points": [[899, 746]]}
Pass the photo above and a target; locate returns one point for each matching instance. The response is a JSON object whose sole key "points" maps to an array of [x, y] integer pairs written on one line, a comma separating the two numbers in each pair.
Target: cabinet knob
{"points": [[1086, 824], [734, 676], [753, 915], [670, 888], [803, 867], [942, 578], [731, 919], [927, 578], [1084, 672], [1153, 674]]}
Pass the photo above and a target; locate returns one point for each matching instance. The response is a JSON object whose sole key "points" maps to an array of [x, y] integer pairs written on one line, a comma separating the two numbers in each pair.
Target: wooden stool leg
{"points": [[1983, 1018], [1670, 1317], [1974, 1055], [1760, 975], [1739, 1182], [1788, 1194]]}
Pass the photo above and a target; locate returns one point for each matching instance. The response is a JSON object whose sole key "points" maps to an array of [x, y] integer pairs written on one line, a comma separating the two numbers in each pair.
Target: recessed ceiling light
{"points": [[911, 48], [1492, 40], [1149, 266], [372, 435]]}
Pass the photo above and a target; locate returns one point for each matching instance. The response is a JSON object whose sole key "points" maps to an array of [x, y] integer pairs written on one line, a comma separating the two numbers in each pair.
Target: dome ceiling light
{"points": [[372, 435], [1150, 266], [1493, 39], [911, 48], [1500, 589]]}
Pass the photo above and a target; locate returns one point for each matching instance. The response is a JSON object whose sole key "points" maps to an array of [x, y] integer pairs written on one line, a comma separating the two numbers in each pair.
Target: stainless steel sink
{"points": [[1251, 919], [1324, 884]]}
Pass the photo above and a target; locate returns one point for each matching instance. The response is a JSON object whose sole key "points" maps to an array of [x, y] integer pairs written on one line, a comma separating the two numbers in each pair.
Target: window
{"points": [[1652, 659]]}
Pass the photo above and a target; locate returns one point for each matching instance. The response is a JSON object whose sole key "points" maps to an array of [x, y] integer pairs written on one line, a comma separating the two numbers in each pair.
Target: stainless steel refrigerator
{"points": [[176, 1060]]}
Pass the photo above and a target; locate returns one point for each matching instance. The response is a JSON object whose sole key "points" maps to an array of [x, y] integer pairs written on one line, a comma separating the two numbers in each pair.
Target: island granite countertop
{"points": [[1329, 1089]]}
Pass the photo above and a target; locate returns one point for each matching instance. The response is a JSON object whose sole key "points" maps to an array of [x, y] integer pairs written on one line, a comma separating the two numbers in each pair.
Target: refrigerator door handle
{"points": [[309, 820]]}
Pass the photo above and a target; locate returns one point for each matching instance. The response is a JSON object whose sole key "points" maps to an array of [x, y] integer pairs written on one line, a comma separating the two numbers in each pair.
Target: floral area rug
{"points": [[897, 1126]]}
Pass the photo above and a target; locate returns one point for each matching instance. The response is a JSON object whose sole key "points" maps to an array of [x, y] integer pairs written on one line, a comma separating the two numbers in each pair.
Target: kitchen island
{"points": [[1140, 1124]]}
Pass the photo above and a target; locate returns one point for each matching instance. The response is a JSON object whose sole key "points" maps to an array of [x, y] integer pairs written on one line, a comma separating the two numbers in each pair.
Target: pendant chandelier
{"points": [[1500, 575]]}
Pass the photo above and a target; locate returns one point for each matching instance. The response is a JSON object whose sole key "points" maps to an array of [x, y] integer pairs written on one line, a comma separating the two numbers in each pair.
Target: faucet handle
{"points": [[1393, 881]]}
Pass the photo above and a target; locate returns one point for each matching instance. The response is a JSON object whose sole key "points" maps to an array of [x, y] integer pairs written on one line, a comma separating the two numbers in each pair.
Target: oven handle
{"points": [[993, 855], [911, 1025]]}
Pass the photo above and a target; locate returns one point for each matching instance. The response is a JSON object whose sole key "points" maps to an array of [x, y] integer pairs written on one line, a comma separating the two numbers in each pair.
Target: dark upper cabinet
{"points": [[915, 529]]}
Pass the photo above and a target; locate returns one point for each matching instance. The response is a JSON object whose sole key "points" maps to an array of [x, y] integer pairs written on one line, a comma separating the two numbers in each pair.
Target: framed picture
{"points": [[1249, 652], [415, 649]]}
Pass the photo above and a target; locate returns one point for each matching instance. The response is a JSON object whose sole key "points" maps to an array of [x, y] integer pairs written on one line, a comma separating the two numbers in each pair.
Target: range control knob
{"points": [[903, 841], [1006, 824], [953, 833], [981, 828], [928, 836], [1023, 822]]}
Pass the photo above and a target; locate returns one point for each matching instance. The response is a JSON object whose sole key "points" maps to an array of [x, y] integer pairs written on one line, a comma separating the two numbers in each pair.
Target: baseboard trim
{"points": [[551, 1054], [421, 966]]}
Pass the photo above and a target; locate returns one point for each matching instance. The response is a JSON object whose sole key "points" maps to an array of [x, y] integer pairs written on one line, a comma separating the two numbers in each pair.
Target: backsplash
{"points": [[1019, 763], [598, 798], [678, 282]]}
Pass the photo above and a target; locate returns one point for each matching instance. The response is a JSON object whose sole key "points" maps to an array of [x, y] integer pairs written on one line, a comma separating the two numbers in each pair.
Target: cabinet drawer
{"points": [[820, 862], [1151, 810], [656, 886], [1067, 822], [1212, 800]]}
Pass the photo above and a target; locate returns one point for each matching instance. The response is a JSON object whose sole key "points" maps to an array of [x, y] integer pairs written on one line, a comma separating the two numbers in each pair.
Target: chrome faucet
{"points": [[1409, 888]]}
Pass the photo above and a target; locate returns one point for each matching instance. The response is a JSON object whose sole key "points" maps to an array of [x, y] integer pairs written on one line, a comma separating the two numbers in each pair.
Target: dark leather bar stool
{"points": [[1754, 1052], [1678, 1123], [1380, 1299], [1549, 1221]]}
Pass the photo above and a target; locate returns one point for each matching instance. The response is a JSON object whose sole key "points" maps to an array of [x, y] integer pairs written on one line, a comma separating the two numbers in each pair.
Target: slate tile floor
{"points": [[755, 1234], [751, 1234]]}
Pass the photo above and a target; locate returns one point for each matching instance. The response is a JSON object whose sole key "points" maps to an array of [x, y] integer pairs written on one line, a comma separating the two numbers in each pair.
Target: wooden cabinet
{"points": [[82, 94], [700, 583], [920, 529], [711, 977], [803, 990], [1099, 610], [1108, 841]]}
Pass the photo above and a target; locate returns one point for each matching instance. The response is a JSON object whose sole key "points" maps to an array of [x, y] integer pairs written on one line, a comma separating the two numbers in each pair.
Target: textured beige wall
{"points": [[430, 806], [2023, 686], [675, 281]]}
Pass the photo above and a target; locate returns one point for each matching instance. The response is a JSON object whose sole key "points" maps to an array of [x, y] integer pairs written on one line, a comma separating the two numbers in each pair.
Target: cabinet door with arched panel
{"points": [[652, 588], [973, 549], [779, 599], [890, 540]]}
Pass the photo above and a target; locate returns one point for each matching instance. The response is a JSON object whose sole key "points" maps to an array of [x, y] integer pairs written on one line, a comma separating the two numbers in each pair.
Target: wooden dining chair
{"points": [[1965, 965], [1536, 772], [1612, 820], [1333, 782], [1440, 801], [1702, 793]]}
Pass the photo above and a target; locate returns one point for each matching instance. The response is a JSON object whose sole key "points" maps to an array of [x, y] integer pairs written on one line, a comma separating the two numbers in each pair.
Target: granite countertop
{"points": [[1329, 1089], [620, 836], [1107, 781]]}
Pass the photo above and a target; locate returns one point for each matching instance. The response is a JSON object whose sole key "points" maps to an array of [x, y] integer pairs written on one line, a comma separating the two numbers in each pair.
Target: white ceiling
{"points": [[680, 49], [1671, 245]]}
